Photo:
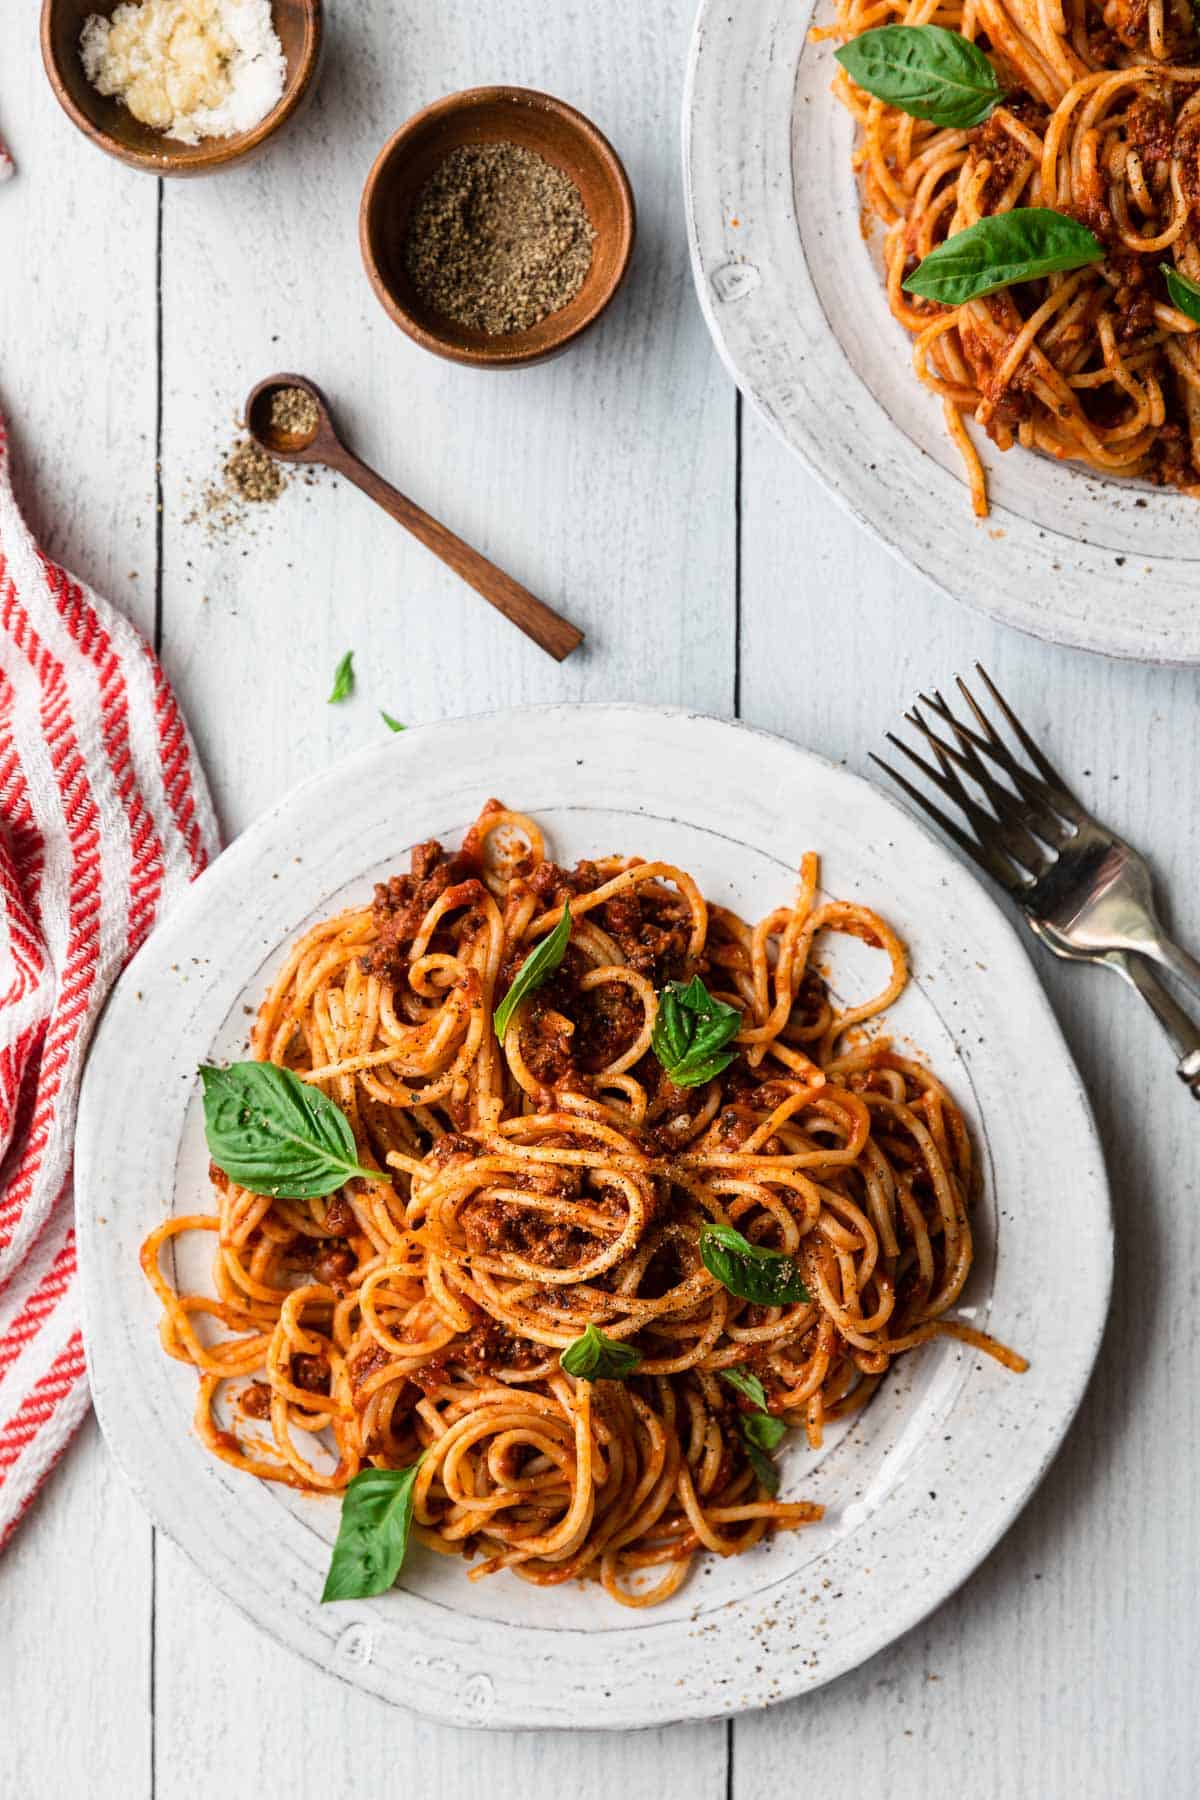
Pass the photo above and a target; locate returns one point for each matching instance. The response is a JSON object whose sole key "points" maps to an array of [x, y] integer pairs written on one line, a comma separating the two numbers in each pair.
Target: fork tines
{"points": [[1028, 822]]}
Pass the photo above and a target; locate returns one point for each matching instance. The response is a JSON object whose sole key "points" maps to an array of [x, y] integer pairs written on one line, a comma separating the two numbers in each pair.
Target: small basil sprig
{"points": [[767, 1277], [392, 724], [273, 1134], [343, 680], [538, 967], [747, 1384], [690, 1032], [1001, 249], [597, 1357], [1184, 292], [761, 1431], [760, 1462], [924, 70], [373, 1534]]}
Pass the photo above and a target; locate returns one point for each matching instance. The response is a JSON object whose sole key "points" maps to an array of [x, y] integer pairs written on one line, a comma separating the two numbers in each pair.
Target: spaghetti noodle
{"points": [[561, 1180], [1100, 120]]}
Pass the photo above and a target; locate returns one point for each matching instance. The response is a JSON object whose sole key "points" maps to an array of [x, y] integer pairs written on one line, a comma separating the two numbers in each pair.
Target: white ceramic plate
{"points": [[737, 808], [793, 297]]}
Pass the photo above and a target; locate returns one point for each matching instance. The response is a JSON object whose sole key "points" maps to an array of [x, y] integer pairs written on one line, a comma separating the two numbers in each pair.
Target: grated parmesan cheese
{"points": [[190, 68]]}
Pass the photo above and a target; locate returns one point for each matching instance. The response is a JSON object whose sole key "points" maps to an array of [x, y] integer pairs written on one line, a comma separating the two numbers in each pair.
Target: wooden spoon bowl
{"points": [[113, 128], [490, 115]]}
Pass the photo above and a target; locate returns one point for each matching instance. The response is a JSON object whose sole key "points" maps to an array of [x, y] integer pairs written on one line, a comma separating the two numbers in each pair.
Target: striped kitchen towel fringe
{"points": [[104, 820]]}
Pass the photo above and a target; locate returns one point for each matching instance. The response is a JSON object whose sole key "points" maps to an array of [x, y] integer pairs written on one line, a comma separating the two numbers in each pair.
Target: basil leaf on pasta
{"points": [[762, 1430], [691, 1030], [1184, 292], [273, 1134], [597, 1357], [924, 70], [537, 968], [372, 1537], [1002, 249], [767, 1277], [343, 679], [747, 1384], [764, 1469]]}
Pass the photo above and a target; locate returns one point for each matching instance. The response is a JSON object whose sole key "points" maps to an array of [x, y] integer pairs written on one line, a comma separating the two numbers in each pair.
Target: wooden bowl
{"points": [[491, 115], [113, 128]]}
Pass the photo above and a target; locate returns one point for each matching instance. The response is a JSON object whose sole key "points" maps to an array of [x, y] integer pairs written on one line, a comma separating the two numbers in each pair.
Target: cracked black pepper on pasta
{"points": [[1093, 115], [596, 1192]]}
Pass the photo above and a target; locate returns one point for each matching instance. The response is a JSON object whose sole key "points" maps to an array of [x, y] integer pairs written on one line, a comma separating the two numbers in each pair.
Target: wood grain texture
{"points": [[1064, 1667], [77, 383], [604, 481], [77, 309], [540, 623], [76, 1643], [601, 481]]}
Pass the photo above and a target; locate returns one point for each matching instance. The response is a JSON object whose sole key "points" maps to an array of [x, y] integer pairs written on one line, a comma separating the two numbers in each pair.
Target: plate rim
{"points": [[933, 1593], [1110, 634]]}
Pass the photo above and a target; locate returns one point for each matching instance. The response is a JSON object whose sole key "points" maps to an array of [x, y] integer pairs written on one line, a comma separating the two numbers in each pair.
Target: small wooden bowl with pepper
{"points": [[496, 226]]}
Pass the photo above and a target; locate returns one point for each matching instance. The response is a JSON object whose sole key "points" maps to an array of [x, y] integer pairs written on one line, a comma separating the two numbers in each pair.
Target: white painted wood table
{"points": [[624, 485]]}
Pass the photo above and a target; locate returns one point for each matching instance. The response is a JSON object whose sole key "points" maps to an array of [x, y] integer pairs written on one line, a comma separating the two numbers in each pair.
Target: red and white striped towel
{"points": [[104, 819]]}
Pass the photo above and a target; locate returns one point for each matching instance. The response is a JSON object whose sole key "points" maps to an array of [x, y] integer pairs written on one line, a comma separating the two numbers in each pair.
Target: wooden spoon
{"points": [[556, 635]]}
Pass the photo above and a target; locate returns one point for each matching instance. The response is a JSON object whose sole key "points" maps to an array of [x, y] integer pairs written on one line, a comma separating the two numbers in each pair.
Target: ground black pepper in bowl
{"points": [[498, 239]]}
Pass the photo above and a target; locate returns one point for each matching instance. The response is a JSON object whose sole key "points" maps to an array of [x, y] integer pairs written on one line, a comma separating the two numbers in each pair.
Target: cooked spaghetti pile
{"points": [[559, 1181], [1100, 120]]}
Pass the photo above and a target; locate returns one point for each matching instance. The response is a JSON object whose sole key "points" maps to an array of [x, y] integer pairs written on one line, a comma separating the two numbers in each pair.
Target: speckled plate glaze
{"points": [[794, 299], [737, 808]]}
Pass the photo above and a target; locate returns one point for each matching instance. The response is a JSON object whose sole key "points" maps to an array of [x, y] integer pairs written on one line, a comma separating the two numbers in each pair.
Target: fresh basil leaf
{"points": [[747, 1384], [690, 1032], [538, 967], [763, 1430], [924, 70], [343, 680], [1001, 249], [764, 1468], [597, 1357], [767, 1277], [273, 1134], [392, 724], [1184, 292], [373, 1534]]}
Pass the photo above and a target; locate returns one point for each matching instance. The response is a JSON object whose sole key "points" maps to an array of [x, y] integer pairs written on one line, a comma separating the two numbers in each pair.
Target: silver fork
{"points": [[1084, 891]]}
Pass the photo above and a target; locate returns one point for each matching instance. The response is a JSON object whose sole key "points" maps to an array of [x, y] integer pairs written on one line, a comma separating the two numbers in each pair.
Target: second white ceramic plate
{"points": [[794, 299], [918, 1487]]}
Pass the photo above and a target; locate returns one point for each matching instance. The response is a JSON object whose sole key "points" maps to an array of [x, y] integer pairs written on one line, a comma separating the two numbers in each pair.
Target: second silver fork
{"points": [[1084, 891]]}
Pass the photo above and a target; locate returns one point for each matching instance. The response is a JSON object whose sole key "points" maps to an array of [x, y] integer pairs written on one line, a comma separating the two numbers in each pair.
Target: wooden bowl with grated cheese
{"points": [[109, 123]]}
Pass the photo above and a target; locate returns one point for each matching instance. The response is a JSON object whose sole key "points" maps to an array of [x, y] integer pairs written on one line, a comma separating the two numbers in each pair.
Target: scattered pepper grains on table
{"points": [[249, 480]]}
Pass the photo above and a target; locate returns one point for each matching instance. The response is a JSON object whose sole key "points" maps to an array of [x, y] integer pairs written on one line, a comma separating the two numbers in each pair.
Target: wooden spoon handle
{"points": [[556, 635]]}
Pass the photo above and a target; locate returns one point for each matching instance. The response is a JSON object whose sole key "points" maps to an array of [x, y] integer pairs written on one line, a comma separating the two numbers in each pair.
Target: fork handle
{"points": [[1176, 961], [1184, 1035]]}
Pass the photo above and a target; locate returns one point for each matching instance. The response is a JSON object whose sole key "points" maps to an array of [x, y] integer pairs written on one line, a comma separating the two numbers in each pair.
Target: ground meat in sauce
{"points": [[1151, 129], [1134, 284], [449, 1149], [339, 1217], [333, 1264], [401, 903], [482, 1350], [992, 142], [256, 1400], [311, 1373], [492, 1225]]}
